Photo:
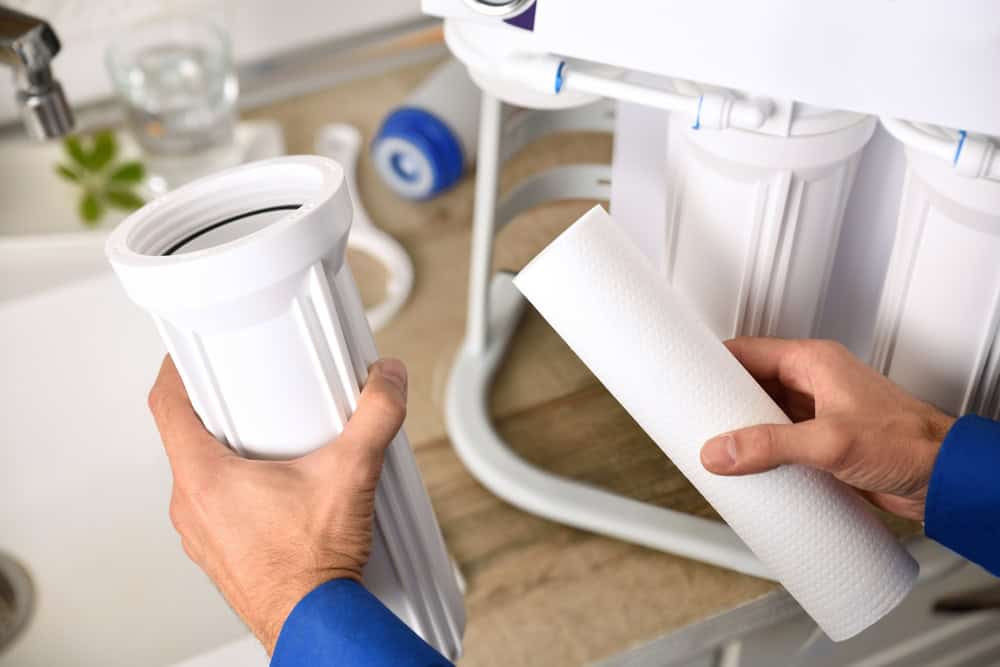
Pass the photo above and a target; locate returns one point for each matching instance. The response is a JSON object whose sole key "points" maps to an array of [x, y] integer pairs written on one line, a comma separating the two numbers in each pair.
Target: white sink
{"points": [[84, 483], [33, 199]]}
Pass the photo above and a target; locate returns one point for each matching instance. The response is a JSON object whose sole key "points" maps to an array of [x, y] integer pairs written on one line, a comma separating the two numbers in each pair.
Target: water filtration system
{"points": [[771, 188], [799, 172]]}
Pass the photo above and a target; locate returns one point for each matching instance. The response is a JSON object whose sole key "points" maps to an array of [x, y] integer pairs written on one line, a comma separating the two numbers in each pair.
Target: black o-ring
{"points": [[215, 225]]}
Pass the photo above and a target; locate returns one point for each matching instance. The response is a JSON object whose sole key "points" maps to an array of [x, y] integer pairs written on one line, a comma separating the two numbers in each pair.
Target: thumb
{"points": [[759, 448], [380, 414], [190, 448]]}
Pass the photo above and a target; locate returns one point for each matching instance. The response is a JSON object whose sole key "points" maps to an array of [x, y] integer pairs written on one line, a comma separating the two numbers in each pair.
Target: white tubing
{"points": [[919, 140], [972, 156], [713, 111], [584, 82], [548, 74]]}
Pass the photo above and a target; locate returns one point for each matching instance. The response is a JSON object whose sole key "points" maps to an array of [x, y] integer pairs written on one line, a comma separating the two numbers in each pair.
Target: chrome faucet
{"points": [[28, 45]]}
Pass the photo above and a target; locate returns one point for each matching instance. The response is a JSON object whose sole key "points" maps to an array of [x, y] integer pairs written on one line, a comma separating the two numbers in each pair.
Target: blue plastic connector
{"points": [[432, 138]]}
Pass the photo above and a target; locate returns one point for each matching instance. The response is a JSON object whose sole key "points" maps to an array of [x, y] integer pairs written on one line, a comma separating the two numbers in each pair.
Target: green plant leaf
{"points": [[103, 152], [124, 199], [91, 209], [74, 149], [68, 173], [128, 172]]}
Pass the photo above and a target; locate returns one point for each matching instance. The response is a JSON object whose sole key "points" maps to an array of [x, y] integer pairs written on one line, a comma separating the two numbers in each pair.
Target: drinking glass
{"points": [[175, 75]]}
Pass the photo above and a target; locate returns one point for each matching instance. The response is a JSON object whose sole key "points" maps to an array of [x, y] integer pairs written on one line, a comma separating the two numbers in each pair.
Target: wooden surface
{"points": [[538, 593]]}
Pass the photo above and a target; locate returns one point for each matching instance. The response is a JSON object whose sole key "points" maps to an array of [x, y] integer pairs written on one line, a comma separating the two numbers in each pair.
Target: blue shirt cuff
{"points": [[963, 500], [341, 623]]}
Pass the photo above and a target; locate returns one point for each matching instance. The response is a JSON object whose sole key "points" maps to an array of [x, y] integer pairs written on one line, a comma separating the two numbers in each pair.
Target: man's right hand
{"points": [[849, 420]]}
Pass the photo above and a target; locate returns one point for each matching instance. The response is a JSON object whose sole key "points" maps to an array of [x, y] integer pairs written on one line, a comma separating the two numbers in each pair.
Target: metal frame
{"points": [[495, 307]]}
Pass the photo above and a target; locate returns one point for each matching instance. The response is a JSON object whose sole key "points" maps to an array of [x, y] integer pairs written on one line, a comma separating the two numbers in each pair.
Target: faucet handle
{"points": [[28, 44], [26, 41]]}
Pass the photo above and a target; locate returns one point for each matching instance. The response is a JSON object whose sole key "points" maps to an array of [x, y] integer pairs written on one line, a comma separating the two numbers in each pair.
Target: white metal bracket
{"points": [[495, 307]]}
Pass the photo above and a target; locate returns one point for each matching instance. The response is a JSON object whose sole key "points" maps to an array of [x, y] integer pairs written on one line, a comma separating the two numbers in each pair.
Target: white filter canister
{"points": [[745, 224], [244, 273], [938, 323]]}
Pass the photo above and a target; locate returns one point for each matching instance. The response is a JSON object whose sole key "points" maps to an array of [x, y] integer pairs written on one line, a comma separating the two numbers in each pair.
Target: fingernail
{"points": [[719, 454], [394, 371]]}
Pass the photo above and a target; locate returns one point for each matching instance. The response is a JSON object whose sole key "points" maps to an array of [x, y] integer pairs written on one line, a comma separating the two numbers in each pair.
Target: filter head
{"points": [[233, 234], [417, 154]]}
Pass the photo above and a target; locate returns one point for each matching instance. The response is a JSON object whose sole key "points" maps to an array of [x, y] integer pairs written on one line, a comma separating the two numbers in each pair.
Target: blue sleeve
{"points": [[963, 501], [340, 623]]}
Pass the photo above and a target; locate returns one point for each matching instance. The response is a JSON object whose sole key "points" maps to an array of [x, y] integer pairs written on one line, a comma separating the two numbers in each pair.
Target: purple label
{"points": [[524, 20]]}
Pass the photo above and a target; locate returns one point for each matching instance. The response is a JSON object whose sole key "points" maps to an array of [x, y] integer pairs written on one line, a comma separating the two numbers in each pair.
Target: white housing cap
{"points": [[233, 234]]}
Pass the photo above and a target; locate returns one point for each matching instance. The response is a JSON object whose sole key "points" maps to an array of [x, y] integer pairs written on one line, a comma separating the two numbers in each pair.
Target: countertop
{"points": [[539, 593]]}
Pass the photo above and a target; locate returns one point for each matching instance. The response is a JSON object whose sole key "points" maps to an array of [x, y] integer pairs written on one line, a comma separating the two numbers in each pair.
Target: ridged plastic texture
{"points": [[938, 328], [751, 222], [274, 351], [306, 366], [672, 374]]}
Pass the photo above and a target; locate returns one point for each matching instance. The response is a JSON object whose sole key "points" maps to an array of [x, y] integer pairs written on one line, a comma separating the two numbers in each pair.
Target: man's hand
{"points": [[268, 532], [850, 421]]}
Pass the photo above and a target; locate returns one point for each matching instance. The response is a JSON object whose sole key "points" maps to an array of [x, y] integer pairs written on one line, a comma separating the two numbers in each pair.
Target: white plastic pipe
{"points": [[715, 111], [972, 156], [919, 140], [548, 74]]}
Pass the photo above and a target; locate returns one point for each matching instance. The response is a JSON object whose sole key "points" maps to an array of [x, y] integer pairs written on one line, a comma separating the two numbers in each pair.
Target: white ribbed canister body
{"points": [[244, 273], [936, 332], [751, 220]]}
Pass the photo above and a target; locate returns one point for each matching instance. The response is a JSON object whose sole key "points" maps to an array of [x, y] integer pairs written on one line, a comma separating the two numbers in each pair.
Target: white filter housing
{"points": [[245, 276], [937, 325], [752, 219]]}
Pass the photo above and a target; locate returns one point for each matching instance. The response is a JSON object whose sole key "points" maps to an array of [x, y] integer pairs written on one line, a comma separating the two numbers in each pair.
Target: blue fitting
{"points": [[433, 138], [958, 149], [559, 76]]}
